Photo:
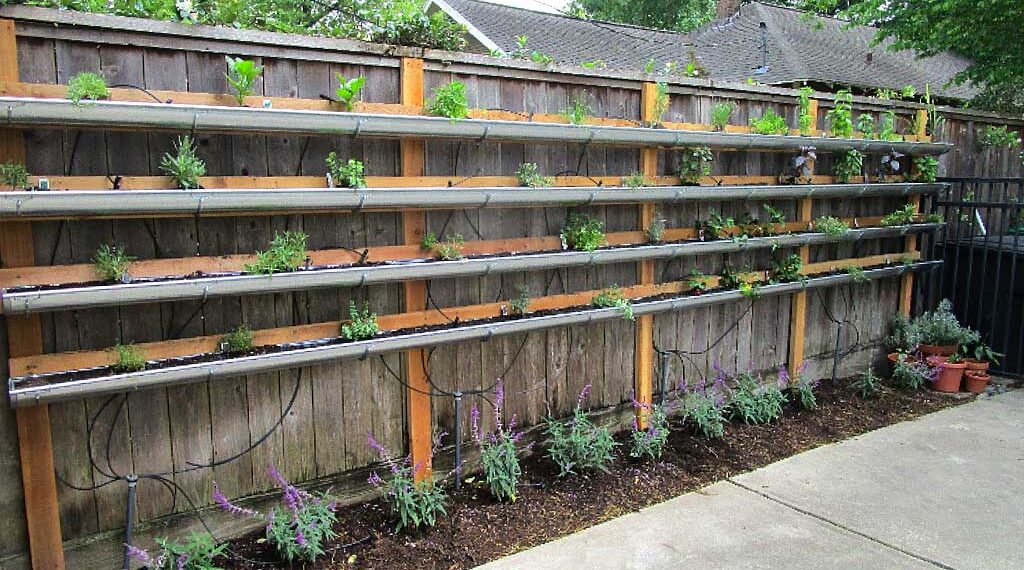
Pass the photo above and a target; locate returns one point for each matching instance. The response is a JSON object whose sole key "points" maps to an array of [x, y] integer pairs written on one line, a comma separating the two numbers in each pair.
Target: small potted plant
{"points": [[950, 372], [902, 340], [939, 333], [979, 356]]}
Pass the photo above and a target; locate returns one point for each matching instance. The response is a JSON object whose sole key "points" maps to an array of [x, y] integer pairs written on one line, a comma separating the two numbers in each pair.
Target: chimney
{"points": [[726, 8]]}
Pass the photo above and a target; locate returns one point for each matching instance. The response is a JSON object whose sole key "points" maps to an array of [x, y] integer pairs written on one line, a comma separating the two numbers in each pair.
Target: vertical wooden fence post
{"points": [[798, 310], [25, 338], [644, 351], [907, 281], [414, 224]]}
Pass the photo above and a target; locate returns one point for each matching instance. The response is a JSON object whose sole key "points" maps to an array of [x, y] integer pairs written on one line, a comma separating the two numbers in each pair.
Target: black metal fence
{"points": [[982, 246]]}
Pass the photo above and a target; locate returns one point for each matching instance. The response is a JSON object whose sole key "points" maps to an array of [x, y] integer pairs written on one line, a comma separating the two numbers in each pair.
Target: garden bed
{"points": [[479, 529]]}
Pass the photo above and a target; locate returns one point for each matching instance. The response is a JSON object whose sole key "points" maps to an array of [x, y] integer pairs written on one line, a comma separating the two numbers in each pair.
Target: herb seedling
{"points": [[520, 304], [830, 225], [13, 175], [287, 252], [841, 116], [578, 110], [578, 444], [582, 233], [769, 123], [529, 175], [237, 341], [361, 325], [751, 291], [755, 402], [901, 217], [926, 169], [787, 269], [848, 164], [449, 101], [429, 241], [716, 226], [129, 359], [499, 457], [450, 249], [348, 90], [87, 85], [649, 443], [731, 278], [775, 215], [197, 552], [866, 126], [887, 130], [345, 174], [805, 121], [184, 167], [661, 102], [857, 273], [799, 387], [241, 76], [635, 181], [867, 384], [698, 282], [695, 164], [613, 298], [720, 115], [111, 263], [413, 503], [655, 231]]}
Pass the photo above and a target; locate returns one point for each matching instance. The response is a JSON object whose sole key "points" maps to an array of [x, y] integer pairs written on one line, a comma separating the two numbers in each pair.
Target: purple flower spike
{"points": [[182, 561], [230, 507], [474, 422], [376, 445], [583, 394], [375, 480], [499, 394], [300, 538], [140, 555]]}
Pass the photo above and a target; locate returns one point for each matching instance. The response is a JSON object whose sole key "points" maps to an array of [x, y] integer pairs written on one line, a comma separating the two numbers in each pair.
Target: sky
{"points": [[542, 5]]}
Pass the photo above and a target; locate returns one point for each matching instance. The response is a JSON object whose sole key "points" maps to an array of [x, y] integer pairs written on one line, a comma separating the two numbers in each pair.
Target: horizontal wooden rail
{"points": [[160, 350]]}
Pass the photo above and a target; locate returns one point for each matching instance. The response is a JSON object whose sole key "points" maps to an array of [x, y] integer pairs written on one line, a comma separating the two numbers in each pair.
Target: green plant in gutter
{"points": [[237, 341], [520, 304], [866, 126], [582, 233], [529, 175], [857, 273], [731, 278], [129, 359], [345, 174], [184, 166], [655, 231], [13, 175], [867, 385], [848, 165], [449, 101], [111, 263], [697, 282], [887, 130], [901, 217], [286, 253], [716, 226], [613, 298], [578, 110], [935, 123], [751, 291], [830, 225], [769, 123], [348, 90], [805, 121], [361, 325], [934, 218], [241, 76], [450, 249], [787, 269], [926, 169], [775, 215], [841, 116], [720, 115], [87, 85], [695, 164], [661, 102], [635, 181], [429, 241]]}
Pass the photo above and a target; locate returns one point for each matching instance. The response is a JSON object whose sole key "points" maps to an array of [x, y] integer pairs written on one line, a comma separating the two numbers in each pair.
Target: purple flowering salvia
{"points": [[375, 480], [230, 507], [474, 422], [583, 395], [140, 555], [182, 561]]}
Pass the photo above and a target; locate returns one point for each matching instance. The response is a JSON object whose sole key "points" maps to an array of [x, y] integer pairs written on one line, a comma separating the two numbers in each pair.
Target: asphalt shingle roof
{"points": [[799, 50]]}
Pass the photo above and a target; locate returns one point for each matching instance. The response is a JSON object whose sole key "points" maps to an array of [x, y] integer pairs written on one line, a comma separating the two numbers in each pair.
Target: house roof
{"points": [[822, 50]]}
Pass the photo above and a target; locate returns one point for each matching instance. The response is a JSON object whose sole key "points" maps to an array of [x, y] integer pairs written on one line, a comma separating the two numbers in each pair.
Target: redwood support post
{"points": [[414, 224], [644, 351], [25, 338], [907, 281], [798, 309]]}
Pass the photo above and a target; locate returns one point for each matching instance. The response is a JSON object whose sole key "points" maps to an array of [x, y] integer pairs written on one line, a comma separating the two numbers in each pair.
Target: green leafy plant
{"points": [[857, 273], [238, 340], [926, 169], [695, 164], [577, 444], [867, 385], [345, 174], [449, 101], [650, 442], [841, 116], [787, 269], [578, 110], [805, 120], [541, 58], [775, 215], [800, 388], [887, 128], [450, 249], [87, 85], [520, 304], [241, 76], [731, 278], [866, 126], [1001, 136], [769, 123], [751, 291], [129, 359], [301, 527], [184, 166], [901, 217], [595, 64], [197, 552], [582, 233], [655, 231], [716, 226], [111, 263], [941, 327], [848, 164], [830, 225], [661, 102], [429, 241], [13, 175], [720, 115], [934, 218], [498, 453], [697, 282], [755, 402], [911, 374], [935, 122], [613, 298], [361, 325], [529, 175], [348, 90], [980, 351], [413, 503], [635, 181], [705, 408], [286, 253]]}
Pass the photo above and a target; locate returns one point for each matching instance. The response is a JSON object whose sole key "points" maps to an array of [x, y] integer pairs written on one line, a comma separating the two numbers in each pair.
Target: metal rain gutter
{"points": [[307, 356], [72, 298], [81, 203], [60, 113]]}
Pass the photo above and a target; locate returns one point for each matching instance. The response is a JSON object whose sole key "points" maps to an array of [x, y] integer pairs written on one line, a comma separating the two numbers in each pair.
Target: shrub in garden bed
{"points": [[413, 503], [576, 444], [499, 459], [649, 443]]}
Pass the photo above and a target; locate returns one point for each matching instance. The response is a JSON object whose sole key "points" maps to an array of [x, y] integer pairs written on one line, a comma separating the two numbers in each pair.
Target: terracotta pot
{"points": [[937, 350], [975, 364], [894, 357], [975, 381], [949, 376]]}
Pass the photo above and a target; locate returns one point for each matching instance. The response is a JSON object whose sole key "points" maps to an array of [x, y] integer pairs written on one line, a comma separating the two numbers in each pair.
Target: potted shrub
{"points": [[979, 356], [902, 340], [939, 333], [950, 372]]}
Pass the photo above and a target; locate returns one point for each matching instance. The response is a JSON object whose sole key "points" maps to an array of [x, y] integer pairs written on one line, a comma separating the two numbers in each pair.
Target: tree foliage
{"points": [[677, 15]]}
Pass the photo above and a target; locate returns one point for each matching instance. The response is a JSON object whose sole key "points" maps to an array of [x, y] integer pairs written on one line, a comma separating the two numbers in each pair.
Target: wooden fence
{"points": [[326, 411]]}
